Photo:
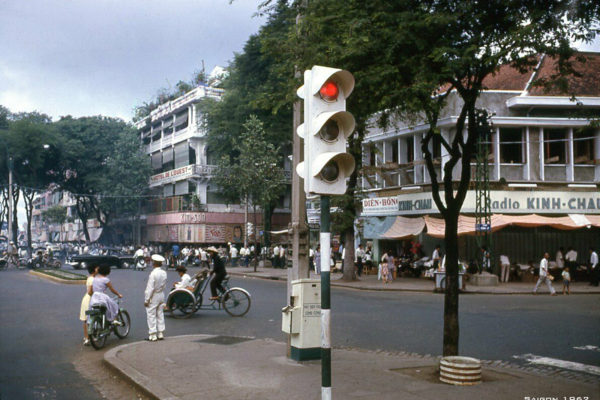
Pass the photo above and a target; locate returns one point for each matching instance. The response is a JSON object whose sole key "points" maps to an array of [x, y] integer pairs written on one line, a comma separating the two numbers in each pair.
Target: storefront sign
{"points": [[172, 175], [502, 201]]}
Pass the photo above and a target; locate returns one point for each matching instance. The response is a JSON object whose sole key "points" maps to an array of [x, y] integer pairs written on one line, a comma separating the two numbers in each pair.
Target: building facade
{"points": [[186, 206], [543, 160]]}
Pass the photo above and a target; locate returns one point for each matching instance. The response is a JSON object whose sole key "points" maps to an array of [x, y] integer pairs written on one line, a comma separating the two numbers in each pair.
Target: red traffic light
{"points": [[329, 91]]}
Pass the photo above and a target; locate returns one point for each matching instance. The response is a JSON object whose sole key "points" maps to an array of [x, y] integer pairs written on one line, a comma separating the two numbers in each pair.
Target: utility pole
{"points": [[9, 160], [325, 241]]}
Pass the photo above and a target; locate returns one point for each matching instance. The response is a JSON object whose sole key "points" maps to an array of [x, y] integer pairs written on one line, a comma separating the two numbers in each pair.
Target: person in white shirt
{"points": [[204, 259], [276, 256], [358, 259], [544, 276], [233, 252], [282, 256], [594, 268], [505, 268], [436, 258], [560, 258], [185, 278], [154, 297]]}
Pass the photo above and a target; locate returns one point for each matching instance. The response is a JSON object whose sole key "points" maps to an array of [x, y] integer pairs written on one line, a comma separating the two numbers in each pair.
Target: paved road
{"points": [[42, 333]]}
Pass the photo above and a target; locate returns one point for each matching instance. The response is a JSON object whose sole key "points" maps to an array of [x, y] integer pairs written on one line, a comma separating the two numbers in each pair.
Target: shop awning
{"points": [[404, 228], [466, 225]]}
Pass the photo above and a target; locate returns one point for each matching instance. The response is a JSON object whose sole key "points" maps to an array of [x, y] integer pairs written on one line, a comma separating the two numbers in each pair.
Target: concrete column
{"points": [[570, 157], [496, 148], [597, 154], [418, 158], [527, 169], [402, 159], [541, 153]]}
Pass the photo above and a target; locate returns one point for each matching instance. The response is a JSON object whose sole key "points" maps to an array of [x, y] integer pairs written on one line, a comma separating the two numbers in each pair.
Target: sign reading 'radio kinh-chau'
{"points": [[508, 202]]}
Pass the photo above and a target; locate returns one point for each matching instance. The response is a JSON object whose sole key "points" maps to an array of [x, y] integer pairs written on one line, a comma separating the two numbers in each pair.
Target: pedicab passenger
{"points": [[100, 285], [185, 281]]}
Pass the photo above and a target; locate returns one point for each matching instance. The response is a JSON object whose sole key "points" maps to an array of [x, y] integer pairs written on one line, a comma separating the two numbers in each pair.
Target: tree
{"points": [[56, 214], [409, 56], [88, 146], [30, 141], [253, 176]]}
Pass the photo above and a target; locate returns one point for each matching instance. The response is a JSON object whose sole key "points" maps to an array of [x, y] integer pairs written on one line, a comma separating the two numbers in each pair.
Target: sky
{"points": [[91, 57]]}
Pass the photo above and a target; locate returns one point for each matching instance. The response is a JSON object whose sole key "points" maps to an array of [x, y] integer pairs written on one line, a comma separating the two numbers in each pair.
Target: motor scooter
{"points": [[99, 328]]}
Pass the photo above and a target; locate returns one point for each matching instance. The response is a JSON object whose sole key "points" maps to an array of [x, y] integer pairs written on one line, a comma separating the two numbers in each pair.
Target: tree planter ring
{"points": [[462, 371]]}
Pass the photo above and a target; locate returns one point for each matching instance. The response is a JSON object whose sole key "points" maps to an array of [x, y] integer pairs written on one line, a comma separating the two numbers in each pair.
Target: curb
{"points": [[383, 289], [132, 375], [59, 280]]}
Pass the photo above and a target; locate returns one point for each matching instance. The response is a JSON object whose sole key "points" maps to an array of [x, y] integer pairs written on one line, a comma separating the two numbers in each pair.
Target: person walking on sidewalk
{"points": [[566, 281], [154, 297], [594, 268], [505, 268], [544, 276]]}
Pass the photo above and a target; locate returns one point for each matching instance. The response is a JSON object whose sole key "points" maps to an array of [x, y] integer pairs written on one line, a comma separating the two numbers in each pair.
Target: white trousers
{"points": [[155, 315], [548, 282], [505, 272]]}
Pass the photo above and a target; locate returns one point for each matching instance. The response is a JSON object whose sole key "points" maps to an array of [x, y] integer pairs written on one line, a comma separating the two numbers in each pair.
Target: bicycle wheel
{"points": [[236, 302], [181, 304], [123, 330], [97, 339]]}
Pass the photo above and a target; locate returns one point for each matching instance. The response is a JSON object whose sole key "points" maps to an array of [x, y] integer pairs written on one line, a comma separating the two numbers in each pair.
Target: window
{"points": [[511, 146], [436, 144], [555, 146], [410, 149], [583, 146], [394, 145], [372, 155]]}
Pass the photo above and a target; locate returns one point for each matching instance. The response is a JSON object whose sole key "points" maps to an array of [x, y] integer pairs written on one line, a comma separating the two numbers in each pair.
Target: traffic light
{"points": [[326, 128], [249, 228]]}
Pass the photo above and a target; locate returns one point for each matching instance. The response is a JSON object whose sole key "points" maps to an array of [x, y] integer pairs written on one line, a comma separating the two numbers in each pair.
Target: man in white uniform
{"points": [[544, 276], [154, 298]]}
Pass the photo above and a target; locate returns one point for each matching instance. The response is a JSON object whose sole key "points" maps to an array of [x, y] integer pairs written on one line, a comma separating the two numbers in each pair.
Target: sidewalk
{"points": [[223, 367], [370, 282]]}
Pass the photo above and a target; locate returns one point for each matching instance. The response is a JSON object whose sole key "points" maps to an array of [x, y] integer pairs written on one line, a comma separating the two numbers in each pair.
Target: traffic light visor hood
{"points": [[344, 119], [344, 161], [320, 75]]}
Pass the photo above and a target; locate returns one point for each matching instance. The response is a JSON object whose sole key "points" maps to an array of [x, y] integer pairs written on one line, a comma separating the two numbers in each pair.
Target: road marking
{"points": [[588, 347], [554, 362]]}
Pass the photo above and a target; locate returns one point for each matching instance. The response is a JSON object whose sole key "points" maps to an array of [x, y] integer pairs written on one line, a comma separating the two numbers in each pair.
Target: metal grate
{"points": [[225, 340]]}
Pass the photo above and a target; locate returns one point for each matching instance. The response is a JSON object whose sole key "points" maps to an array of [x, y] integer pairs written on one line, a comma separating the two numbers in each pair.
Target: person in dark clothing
{"points": [[219, 272]]}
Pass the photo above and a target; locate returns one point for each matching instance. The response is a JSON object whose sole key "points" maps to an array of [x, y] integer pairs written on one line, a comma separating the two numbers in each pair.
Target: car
{"points": [[108, 256]]}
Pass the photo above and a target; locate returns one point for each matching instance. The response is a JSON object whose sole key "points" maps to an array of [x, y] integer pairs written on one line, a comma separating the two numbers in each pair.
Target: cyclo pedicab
{"points": [[183, 302]]}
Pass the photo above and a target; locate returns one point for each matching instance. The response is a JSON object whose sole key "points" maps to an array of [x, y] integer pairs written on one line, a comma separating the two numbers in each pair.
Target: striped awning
{"points": [[404, 228]]}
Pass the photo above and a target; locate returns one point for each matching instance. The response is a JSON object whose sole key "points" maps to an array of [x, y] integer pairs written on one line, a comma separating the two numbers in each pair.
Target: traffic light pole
{"points": [[325, 300]]}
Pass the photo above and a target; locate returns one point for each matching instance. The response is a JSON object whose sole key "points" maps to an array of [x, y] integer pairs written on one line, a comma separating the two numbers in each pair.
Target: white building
{"points": [[544, 162]]}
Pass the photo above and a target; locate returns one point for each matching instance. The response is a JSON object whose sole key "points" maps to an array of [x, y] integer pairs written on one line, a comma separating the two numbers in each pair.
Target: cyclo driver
{"points": [[219, 272]]}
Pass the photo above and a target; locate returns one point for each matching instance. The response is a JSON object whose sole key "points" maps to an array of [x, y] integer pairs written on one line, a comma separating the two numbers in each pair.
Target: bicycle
{"points": [[99, 328], [183, 302]]}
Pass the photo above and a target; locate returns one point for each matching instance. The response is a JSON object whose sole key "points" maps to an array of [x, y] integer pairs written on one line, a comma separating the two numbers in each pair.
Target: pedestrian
{"points": [[566, 280], [218, 271], [385, 271], [318, 259], [358, 259], [571, 262], [436, 258], [311, 258], [560, 258], [85, 302], [504, 268], [544, 276], [282, 256], [233, 253], [276, 256], [154, 298], [485, 259], [594, 268]]}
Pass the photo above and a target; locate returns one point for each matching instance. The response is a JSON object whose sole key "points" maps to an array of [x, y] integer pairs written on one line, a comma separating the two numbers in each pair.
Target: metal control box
{"points": [[302, 319]]}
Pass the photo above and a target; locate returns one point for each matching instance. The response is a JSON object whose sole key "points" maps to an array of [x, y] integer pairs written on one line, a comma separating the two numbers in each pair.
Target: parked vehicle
{"points": [[108, 256], [99, 328]]}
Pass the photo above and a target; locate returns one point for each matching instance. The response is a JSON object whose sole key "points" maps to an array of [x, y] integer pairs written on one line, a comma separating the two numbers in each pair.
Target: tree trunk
{"points": [[28, 198], [451, 328], [15, 222], [349, 270]]}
